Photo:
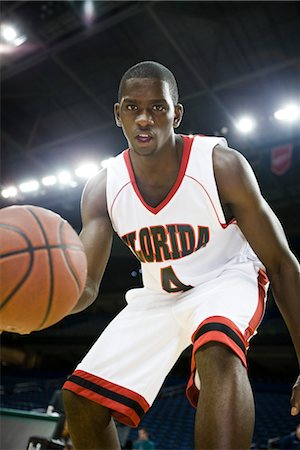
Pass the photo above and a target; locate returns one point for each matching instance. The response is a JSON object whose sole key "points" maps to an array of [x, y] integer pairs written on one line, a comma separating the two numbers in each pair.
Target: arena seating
{"points": [[171, 419]]}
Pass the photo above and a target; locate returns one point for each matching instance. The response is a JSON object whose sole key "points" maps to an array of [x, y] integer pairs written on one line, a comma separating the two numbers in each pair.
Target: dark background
{"points": [[58, 90]]}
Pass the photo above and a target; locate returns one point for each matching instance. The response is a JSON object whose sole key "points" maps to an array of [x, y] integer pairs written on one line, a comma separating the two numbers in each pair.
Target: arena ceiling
{"points": [[58, 88]]}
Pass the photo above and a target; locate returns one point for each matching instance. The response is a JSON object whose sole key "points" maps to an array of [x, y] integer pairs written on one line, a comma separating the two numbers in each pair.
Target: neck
{"points": [[160, 164]]}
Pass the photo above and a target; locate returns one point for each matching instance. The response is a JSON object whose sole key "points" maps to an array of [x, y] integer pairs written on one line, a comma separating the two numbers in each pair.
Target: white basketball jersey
{"points": [[184, 241]]}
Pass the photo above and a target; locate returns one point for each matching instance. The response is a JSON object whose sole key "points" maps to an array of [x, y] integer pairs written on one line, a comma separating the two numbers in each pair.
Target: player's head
{"points": [[148, 108], [151, 69]]}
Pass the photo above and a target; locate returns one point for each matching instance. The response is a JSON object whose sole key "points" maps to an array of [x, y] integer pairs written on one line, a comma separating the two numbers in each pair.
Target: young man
{"points": [[188, 208]]}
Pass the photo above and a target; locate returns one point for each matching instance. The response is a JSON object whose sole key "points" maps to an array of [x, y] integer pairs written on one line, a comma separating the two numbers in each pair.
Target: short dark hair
{"points": [[151, 69]]}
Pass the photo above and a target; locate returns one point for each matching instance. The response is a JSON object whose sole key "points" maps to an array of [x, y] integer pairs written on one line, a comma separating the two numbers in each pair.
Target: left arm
{"points": [[238, 190]]}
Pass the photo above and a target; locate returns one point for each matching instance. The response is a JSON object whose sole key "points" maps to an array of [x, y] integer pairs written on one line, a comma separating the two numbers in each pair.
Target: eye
{"points": [[159, 108], [131, 107]]}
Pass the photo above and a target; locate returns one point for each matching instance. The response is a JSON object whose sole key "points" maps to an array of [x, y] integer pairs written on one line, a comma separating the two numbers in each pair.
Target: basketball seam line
{"points": [[50, 267], [11, 227], [45, 247], [66, 257]]}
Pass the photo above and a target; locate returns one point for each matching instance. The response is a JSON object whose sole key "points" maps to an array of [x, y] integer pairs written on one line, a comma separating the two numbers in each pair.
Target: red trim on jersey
{"points": [[263, 282], [120, 411], [187, 145], [192, 391]]}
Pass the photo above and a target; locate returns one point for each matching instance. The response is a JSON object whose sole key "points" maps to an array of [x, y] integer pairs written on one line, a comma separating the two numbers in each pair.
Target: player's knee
{"points": [[218, 359], [78, 409]]}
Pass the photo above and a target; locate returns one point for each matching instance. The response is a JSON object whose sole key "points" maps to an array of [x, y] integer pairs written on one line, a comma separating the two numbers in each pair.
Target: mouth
{"points": [[144, 138]]}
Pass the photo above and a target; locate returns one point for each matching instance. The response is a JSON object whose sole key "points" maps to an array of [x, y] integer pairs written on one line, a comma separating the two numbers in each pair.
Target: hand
{"points": [[295, 399]]}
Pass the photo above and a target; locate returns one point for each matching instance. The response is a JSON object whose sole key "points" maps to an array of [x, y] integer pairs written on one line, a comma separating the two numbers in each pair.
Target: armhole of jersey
{"points": [[203, 162], [221, 215]]}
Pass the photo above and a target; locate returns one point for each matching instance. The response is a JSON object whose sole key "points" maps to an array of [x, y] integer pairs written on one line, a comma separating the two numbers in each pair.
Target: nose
{"points": [[144, 119]]}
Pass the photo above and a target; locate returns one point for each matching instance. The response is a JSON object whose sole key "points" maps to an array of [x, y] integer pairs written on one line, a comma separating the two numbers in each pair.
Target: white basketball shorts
{"points": [[126, 367]]}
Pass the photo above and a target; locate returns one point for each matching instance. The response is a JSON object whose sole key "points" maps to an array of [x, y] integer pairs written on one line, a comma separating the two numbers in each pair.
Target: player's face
{"points": [[147, 115]]}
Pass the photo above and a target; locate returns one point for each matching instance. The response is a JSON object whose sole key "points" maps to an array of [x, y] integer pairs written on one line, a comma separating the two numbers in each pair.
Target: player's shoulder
{"points": [[94, 192], [228, 160], [96, 183]]}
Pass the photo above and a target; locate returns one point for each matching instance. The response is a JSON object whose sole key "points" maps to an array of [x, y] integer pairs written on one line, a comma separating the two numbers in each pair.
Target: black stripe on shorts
{"points": [[216, 326], [109, 394]]}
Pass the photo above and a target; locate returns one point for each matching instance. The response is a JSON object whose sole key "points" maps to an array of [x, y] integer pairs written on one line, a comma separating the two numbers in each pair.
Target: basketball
{"points": [[42, 268]]}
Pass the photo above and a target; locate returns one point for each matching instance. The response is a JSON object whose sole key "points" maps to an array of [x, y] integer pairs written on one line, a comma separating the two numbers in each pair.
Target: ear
{"points": [[178, 115], [117, 114]]}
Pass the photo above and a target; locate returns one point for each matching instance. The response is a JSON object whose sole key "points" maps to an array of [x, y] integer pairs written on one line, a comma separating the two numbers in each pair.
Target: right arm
{"points": [[96, 236]]}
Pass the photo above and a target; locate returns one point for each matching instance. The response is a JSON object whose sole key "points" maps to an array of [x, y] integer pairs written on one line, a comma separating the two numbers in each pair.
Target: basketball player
{"points": [[191, 211]]}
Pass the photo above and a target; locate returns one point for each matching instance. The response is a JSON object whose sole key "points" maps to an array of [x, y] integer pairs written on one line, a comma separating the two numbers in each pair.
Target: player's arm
{"points": [[239, 191], [96, 236]]}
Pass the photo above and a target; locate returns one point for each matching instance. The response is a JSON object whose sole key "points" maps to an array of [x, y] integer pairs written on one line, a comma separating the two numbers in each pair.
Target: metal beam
{"points": [[66, 139], [189, 65], [81, 85], [132, 10], [247, 77], [21, 151]]}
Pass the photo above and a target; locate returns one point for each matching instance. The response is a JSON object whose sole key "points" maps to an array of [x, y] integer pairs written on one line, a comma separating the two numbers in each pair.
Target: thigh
{"points": [[238, 296], [127, 365], [227, 310]]}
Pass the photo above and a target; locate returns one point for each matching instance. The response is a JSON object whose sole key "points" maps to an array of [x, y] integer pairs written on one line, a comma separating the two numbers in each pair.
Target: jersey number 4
{"points": [[170, 282]]}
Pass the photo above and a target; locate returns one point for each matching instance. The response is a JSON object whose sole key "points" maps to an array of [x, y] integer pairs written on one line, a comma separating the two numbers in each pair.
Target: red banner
{"points": [[281, 158]]}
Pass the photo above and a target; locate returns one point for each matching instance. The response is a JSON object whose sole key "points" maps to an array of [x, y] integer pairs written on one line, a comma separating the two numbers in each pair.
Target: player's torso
{"points": [[183, 241]]}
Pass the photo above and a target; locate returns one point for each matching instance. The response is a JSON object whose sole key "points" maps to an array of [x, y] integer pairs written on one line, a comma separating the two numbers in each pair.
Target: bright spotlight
{"points": [[49, 180], [29, 186], [11, 35], [106, 162], [86, 170], [8, 32], [288, 114], [245, 124], [88, 11], [10, 191], [19, 41], [64, 177]]}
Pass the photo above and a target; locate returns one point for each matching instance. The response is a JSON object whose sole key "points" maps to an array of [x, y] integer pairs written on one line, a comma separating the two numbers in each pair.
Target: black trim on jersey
{"points": [[216, 326], [108, 393]]}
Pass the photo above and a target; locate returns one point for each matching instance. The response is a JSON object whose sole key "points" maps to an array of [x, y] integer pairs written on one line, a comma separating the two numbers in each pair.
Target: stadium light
{"points": [[289, 113], [8, 192], [10, 34], [245, 124], [49, 180], [64, 177], [88, 11], [86, 170], [29, 186], [106, 162], [19, 40]]}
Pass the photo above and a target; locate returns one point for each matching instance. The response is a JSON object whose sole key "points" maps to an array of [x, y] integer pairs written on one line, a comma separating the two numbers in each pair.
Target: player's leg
{"points": [[225, 313], [90, 424], [225, 411], [123, 371]]}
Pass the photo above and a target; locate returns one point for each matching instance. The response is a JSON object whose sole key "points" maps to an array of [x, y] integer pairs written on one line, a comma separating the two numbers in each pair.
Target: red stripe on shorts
{"points": [[254, 322], [262, 279], [127, 406], [234, 340]]}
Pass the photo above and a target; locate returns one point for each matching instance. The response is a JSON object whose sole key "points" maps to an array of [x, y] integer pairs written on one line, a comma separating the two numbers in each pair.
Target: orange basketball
{"points": [[42, 268]]}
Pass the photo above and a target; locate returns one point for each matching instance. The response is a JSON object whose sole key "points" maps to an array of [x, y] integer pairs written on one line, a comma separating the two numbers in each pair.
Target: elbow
{"points": [[87, 297]]}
